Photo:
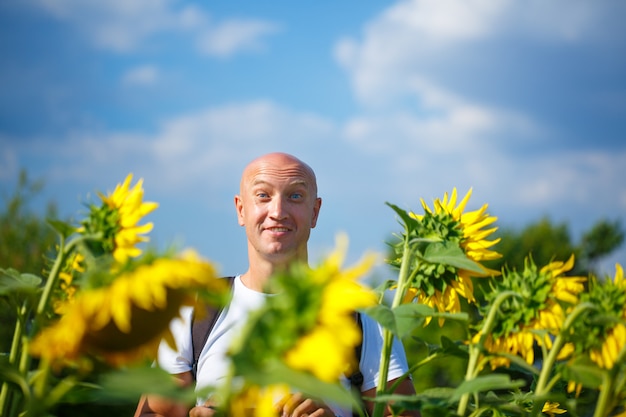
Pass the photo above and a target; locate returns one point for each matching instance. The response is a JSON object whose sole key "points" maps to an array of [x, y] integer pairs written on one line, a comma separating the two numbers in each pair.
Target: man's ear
{"points": [[239, 209], [316, 211]]}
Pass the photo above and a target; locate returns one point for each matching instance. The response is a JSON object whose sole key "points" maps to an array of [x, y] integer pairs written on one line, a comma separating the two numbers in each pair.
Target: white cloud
{"points": [[435, 40], [232, 36], [141, 75], [119, 25], [124, 26]]}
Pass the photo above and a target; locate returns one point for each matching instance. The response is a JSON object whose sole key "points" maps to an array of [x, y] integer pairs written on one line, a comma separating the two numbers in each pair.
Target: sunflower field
{"points": [[531, 341]]}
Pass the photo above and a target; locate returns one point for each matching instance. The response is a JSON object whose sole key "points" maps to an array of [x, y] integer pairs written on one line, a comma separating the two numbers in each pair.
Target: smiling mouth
{"points": [[278, 229]]}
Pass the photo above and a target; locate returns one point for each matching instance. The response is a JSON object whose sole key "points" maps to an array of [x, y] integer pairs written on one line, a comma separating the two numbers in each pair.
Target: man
{"points": [[278, 206]]}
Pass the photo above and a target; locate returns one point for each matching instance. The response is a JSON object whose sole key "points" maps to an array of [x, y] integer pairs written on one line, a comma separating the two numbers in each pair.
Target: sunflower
{"points": [[611, 297], [67, 287], [125, 320], [264, 399], [309, 325], [440, 286], [326, 348], [552, 408], [535, 314], [117, 220]]}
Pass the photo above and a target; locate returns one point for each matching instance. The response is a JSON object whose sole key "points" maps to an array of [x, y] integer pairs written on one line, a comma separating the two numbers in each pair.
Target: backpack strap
{"points": [[200, 329], [356, 377]]}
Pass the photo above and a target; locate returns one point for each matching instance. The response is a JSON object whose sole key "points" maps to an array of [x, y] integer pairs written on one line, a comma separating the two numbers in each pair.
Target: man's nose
{"points": [[277, 208]]}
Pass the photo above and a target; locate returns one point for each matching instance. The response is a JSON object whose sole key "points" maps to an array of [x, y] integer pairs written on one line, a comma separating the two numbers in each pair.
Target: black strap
{"points": [[356, 378], [200, 329]]}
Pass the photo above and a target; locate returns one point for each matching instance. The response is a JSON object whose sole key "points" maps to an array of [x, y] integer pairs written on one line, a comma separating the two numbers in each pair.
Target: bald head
{"points": [[278, 206], [280, 164]]}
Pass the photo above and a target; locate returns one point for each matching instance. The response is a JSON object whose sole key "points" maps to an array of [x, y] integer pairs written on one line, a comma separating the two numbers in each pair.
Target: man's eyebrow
{"points": [[296, 182]]}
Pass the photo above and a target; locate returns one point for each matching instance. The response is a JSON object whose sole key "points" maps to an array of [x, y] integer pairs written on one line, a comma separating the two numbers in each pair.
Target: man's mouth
{"points": [[278, 229]]}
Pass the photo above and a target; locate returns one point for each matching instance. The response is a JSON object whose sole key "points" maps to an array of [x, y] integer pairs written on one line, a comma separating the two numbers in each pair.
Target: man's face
{"points": [[278, 206]]}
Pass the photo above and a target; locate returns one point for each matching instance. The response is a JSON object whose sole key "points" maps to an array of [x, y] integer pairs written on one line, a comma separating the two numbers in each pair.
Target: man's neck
{"points": [[260, 271]]}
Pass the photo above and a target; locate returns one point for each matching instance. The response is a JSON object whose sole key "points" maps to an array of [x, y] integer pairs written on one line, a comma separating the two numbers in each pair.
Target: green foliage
{"points": [[546, 241], [602, 239], [24, 236], [24, 240]]}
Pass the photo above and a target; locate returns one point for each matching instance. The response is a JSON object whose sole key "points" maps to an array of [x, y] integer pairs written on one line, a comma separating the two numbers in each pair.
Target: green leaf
{"points": [[409, 222], [278, 373], [128, 385], [11, 281], [449, 347], [411, 316], [587, 374], [62, 228], [447, 253], [486, 383], [383, 315]]}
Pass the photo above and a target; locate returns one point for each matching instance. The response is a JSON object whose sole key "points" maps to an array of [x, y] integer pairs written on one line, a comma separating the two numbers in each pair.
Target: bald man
{"points": [[278, 206]]}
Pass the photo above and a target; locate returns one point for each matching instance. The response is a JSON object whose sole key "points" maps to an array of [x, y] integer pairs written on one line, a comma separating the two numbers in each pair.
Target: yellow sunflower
{"points": [[606, 355], [117, 220], [263, 398], [67, 286], [126, 319], [552, 408], [327, 349], [308, 326], [533, 316], [447, 222]]}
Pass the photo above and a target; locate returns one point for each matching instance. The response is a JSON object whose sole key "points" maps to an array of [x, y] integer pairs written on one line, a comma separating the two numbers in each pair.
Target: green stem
{"points": [[25, 359], [609, 387], [475, 349], [403, 280], [546, 368], [13, 354], [52, 279], [604, 397]]}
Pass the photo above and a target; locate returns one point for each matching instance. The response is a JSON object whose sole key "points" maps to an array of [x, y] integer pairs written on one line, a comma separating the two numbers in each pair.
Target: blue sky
{"points": [[523, 101]]}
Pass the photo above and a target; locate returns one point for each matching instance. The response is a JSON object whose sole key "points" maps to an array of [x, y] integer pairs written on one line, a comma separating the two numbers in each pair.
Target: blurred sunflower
{"points": [[319, 350], [309, 325], [608, 337], [533, 316], [551, 409], [438, 285], [126, 319], [263, 398], [117, 220], [67, 288]]}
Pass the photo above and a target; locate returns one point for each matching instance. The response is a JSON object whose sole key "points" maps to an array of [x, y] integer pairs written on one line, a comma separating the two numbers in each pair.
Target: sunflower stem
{"points": [[13, 354], [475, 349], [65, 250], [542, 386], [403, 279], [609, 387]]}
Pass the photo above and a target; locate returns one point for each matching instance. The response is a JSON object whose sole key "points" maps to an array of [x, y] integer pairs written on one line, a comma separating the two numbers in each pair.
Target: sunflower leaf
{"points": [[62, 228], [486, 383], [447, 253], [586, 374], [409, 317], [12, 281], [449, 347], [409, 222], [125, 386], [383, 315], [276, 372]]}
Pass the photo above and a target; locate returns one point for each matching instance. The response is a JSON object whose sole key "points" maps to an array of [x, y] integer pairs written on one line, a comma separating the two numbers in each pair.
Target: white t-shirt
{"points": [[213, 364]]}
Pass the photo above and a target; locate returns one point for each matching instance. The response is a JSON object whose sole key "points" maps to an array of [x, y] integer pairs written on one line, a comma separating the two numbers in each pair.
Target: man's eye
{"points": [[262, 195], [296, 196]]}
